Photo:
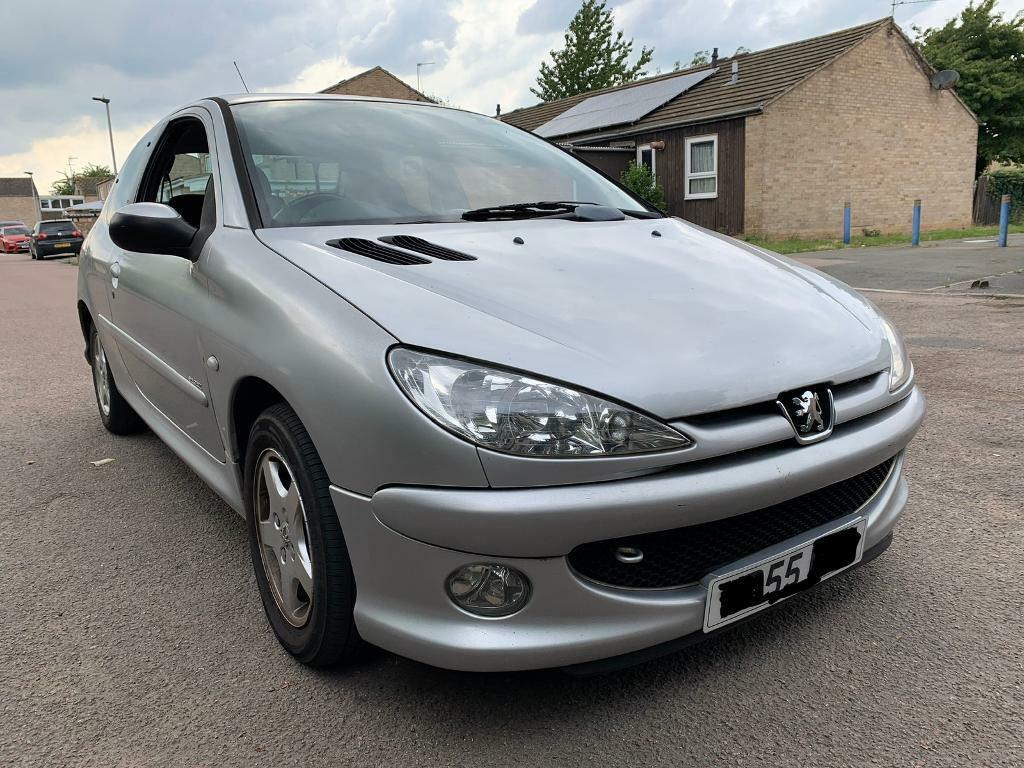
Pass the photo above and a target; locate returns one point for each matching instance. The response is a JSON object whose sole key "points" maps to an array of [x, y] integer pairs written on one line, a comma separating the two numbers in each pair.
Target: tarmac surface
{"points": [[945, 266], [133, 632]]}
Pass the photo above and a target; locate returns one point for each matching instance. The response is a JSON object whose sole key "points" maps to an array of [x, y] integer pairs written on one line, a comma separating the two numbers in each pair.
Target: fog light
{"points": [[488, 589]]}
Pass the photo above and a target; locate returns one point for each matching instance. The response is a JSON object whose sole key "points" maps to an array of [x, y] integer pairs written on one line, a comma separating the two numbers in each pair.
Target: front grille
{"points": [[685, 555]]}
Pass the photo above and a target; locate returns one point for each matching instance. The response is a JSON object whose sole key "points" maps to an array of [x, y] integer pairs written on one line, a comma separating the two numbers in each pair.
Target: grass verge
{"points": [[801, 245]]}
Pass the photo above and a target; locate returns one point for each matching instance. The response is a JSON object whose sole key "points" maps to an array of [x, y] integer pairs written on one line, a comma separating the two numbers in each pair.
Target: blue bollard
{"points": [[846, 224], [1004, 221], [915, 236]]}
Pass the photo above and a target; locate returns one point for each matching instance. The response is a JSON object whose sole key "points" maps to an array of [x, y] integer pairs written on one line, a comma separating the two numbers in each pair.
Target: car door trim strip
{"points": [[156, 363]]}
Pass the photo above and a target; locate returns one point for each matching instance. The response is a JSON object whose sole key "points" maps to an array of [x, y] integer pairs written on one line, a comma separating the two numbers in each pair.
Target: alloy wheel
{"points": [[100, 374], [280, 519]]}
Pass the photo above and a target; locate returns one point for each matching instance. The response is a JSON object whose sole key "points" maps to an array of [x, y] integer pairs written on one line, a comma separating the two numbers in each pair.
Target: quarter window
{"points": [[702, 167]]}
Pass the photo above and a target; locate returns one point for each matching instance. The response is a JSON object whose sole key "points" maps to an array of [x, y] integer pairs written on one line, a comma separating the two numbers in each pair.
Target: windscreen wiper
{"points": [[515, 211]]}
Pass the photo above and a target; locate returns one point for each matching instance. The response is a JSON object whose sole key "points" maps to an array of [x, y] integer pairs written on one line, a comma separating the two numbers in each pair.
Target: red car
{"points": [[15, 239]]}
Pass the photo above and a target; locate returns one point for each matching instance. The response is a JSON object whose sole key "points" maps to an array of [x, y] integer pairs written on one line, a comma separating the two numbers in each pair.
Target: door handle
{"points": [[115, 272]]}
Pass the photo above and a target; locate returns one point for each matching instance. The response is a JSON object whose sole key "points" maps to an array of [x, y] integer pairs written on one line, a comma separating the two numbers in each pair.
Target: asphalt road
{"points": [[133, 632], [945, 266]]}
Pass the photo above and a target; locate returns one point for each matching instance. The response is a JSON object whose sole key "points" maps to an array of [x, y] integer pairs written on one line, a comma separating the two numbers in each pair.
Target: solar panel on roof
{"points": [[623, 106]]}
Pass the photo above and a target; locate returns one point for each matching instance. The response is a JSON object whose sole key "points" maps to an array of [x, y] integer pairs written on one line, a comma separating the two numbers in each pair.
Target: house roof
{"points": [[16, 186], [342, 85], [763, 77], [86, 185]]}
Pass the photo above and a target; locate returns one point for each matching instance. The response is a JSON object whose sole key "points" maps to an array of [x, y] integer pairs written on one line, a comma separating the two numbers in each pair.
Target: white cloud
{"points": [[487, 52], [85, 139]]}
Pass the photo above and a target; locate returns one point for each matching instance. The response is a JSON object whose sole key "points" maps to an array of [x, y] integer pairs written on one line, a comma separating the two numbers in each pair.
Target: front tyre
{"points": [[297, 547], [117, 416]]}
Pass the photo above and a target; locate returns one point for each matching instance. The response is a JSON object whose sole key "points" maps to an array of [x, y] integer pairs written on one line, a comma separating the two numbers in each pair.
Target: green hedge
{"points": [[1009, 181]]}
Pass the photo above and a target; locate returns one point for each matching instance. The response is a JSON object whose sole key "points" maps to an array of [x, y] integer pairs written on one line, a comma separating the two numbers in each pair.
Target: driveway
{"points": [[134, 635], [943, 266]]}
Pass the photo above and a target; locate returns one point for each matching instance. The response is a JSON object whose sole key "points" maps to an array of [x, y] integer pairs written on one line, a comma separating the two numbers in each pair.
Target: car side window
{"points": [[180, 170]]}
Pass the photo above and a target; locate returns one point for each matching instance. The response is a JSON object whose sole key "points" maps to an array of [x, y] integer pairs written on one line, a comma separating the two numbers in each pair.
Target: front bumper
{"points": [[402, 553]]}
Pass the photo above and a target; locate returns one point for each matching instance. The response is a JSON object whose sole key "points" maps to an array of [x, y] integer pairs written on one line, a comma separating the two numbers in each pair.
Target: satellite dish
{"points": [[946, 79]]}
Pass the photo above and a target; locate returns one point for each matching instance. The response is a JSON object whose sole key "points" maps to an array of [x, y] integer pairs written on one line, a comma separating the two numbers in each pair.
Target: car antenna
{"points": [[240, 77]]}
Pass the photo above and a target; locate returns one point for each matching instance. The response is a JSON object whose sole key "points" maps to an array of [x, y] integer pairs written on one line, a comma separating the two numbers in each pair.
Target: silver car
{"points": [[480, 405]]}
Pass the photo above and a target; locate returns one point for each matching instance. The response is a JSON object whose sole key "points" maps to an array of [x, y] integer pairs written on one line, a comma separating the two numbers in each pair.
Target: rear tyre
{"points": [[296, 543], [117, 416]]}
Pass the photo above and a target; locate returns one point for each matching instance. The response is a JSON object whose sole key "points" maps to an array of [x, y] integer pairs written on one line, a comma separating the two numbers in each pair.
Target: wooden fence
{"points": [[986, 207]]}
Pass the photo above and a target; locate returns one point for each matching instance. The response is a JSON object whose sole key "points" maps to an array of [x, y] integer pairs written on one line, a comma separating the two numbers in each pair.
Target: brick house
{"points": [[19, 200], [376, 82], [774, 142]]}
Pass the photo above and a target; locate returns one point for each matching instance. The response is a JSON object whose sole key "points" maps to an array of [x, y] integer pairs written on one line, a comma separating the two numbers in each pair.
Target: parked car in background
{"points": [[469, 417], [15, 238], [12, 223], [60, 236]]}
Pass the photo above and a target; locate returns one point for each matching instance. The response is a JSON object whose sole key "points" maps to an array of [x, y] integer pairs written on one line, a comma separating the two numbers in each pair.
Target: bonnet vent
{"points": [[426, 247], [374, 250]]}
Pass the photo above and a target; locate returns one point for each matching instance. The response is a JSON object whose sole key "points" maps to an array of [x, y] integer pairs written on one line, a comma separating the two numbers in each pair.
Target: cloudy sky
{"points": [[150, 57]]}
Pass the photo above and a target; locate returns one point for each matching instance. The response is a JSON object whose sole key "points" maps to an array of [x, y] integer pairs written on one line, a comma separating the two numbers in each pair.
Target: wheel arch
{"points": [[251, 396], [86, 322]]}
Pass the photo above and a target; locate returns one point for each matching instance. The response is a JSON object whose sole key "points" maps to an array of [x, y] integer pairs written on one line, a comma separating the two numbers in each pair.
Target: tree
{"points": [[65, 185], [595, 56], [988, 52], [700, 58], [639, 180]]}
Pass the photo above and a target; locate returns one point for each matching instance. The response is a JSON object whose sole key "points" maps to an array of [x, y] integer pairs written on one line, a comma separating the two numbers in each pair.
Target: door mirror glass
{"points": [[151, 228]]}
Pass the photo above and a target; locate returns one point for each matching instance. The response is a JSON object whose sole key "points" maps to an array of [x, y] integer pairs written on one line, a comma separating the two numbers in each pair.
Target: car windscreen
{"points": [[14, 231], [57, 226], [317, 162]]}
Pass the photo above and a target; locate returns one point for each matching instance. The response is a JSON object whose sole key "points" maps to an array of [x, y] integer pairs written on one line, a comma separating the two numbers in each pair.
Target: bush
{"points": [[639, 180], [1009, 181]]}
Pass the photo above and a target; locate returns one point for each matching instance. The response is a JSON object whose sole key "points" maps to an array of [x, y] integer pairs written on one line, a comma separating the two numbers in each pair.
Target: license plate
{"points": [[747, 590], [62, 245]]}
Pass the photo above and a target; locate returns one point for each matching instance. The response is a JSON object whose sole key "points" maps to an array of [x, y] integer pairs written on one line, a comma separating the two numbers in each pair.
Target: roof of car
{"points": [[248, 98]]}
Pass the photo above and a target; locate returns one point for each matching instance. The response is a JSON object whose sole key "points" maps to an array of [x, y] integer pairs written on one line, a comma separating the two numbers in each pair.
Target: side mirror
{"points": [[151, 228]]}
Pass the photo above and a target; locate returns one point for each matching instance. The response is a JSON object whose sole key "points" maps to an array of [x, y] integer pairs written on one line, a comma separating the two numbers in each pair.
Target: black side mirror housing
{"points": [[152, 228]]}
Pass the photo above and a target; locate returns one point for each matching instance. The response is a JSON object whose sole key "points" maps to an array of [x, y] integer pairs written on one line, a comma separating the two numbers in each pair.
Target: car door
{"points": [[156, 297]]}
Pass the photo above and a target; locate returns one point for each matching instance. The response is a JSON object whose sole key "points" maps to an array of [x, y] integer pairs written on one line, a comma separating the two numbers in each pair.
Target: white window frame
{"points": [[687, 195], [654, 157]]}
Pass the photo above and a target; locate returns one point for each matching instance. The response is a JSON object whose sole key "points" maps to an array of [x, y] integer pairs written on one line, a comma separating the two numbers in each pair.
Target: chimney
{"points": [[714, 58], [498, 112], [735, 72]]}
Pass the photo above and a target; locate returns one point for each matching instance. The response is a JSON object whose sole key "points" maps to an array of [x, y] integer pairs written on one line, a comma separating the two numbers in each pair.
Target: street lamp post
{"points": [[106, 102], [418, 67], [35, 194]]}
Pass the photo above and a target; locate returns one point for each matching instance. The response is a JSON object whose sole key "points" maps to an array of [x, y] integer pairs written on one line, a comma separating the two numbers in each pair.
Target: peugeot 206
{"points": [[480, 405]]}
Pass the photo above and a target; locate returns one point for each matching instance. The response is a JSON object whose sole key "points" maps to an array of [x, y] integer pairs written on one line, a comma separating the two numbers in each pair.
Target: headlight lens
{"points": [[514, 413], [900, 369]]}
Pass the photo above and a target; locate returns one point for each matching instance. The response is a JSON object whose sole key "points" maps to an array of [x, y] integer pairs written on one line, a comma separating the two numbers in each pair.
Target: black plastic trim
{"points": [[626, 660], [238, 159], [427, 248]]}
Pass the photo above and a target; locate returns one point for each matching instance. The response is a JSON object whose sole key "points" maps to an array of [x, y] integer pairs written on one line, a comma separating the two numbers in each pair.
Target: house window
{"points": [[44, 203], [645, 157], [702, 167]]}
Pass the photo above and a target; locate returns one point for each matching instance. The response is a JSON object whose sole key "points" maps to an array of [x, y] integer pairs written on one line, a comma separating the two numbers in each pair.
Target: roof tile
{"points": [[763, 76]]}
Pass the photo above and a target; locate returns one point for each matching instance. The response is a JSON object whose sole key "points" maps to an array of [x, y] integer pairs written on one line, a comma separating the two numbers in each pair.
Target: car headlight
{"points": [[515, 413], [899, 370]]}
